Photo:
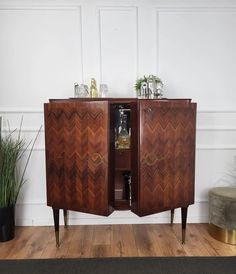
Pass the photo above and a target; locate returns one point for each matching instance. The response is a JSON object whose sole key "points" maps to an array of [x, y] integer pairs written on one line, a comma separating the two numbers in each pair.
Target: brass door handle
{"points": [[96, 158], [148, 110], [150, 159]]}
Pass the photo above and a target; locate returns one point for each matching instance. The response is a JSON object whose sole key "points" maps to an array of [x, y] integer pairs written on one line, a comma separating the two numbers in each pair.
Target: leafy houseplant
{"points": [[12, 150]]}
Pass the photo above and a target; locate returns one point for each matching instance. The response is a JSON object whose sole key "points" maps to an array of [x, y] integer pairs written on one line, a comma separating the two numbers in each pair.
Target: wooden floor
{"points": [[114, 241]]}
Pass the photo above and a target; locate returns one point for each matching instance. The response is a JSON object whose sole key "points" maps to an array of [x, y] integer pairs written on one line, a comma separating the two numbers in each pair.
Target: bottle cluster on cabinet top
{"points": [[83, 91]]}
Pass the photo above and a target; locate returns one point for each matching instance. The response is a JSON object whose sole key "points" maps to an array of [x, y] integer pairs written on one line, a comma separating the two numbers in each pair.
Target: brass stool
{"points": [[222, 214]]}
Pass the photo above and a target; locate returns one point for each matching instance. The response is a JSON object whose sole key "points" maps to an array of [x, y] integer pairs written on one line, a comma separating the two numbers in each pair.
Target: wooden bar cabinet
{"points": [[86, 171]]}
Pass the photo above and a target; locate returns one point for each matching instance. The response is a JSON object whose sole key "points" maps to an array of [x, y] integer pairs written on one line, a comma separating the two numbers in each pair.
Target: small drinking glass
{"points": [[76, 89], [103, 90], [83, 91]]}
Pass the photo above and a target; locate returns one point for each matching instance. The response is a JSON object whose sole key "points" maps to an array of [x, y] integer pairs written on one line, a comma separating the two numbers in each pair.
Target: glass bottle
{"points": [[76, 89], [151, 82], [103, 90], [93, 89], [123, 136]]}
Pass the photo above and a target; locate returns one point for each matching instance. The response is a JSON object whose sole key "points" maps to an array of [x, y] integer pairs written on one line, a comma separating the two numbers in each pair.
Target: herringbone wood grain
{"points": [[167, 155], [77, 156]]}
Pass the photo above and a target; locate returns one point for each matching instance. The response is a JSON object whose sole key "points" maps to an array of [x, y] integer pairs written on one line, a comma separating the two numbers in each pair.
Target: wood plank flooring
{"points": [[137, 240]]}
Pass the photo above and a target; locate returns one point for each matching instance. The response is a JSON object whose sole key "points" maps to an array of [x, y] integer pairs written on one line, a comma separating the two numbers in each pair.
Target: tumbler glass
{"points": [[103, 90]]}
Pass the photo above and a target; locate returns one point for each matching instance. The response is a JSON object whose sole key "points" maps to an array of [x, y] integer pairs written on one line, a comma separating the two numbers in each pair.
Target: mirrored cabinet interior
{"points": [[120, 154]]}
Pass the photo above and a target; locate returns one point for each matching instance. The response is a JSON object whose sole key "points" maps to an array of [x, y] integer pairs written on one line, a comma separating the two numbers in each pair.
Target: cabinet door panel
{"points": [[77, 156], [167, 155]]}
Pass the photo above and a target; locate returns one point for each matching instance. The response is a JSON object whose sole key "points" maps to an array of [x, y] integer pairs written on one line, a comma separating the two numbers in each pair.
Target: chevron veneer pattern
{"points": [[167, 155], [77, 156]]}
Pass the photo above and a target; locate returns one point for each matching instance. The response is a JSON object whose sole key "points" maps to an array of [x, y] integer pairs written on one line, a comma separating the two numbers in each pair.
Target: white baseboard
{"points": [[41, 215]]}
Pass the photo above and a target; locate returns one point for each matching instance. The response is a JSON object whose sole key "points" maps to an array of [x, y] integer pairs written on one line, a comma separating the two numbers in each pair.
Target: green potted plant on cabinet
{"points": [[156, 81], [12, 151]]}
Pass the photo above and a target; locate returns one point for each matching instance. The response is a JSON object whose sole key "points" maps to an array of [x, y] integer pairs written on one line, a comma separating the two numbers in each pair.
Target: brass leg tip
{"points": [[183, 236], [57, 239]]}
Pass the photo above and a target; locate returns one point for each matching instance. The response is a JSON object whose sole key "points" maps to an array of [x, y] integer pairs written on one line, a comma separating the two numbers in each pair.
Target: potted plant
{"points": [[145, 79], [12, 151]]}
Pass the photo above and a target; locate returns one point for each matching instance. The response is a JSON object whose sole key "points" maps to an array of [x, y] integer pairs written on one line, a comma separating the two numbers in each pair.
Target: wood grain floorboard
{"points": [[123, 241], [138, 240]]}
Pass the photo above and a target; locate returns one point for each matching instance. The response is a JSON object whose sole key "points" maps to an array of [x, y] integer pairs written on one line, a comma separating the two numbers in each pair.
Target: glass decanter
{"points": [[123, 140]]}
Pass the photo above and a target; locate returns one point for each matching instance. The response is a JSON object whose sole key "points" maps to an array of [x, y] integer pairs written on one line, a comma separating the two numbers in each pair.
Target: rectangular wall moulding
{"points": [[40, 53], [118, 49], [198, 43]]}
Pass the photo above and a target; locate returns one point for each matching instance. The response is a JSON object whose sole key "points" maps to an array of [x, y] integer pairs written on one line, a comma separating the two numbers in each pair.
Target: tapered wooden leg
{"points": [[56, 224], [172, 212], [184, 211], [65, 213]]}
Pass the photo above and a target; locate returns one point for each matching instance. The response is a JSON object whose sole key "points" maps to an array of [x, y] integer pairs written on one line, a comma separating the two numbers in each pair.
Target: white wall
{"points": [[46, 46]]}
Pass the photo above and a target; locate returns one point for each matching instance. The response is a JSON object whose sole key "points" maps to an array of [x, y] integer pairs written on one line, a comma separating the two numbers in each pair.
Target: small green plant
{"points": [[12, 178]]}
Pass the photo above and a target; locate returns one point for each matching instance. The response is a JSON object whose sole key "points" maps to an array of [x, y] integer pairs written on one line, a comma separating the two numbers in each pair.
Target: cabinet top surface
{"points": [[119, 100]]}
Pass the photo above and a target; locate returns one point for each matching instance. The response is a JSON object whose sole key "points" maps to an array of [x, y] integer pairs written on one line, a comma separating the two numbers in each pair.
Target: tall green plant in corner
{"points": [[12, 173]]}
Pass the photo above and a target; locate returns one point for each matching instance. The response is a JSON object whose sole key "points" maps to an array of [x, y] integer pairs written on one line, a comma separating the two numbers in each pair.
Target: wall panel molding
{"points": [[72, 16], [198, 148], [173, 9], [43, 7], [20, 111], [55, 7], [216, 128], [224, 147], [217, 111], [102, 12], [189, 9], [117, 8]]}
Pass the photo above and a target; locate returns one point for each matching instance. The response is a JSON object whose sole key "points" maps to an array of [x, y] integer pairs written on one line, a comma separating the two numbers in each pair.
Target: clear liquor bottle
{"points": [[123, 136]]}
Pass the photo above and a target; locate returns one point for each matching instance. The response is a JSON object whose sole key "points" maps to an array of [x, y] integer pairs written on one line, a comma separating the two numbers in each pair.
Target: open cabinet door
{"points": [[166, 155], [76, 135]]}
